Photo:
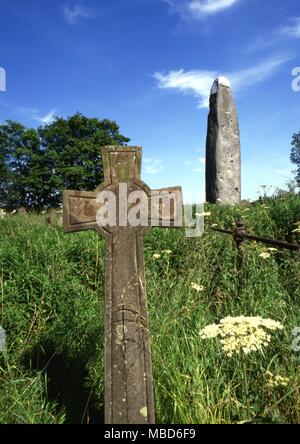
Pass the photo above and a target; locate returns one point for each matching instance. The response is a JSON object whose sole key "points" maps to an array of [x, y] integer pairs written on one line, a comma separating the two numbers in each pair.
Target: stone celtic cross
{"points": [[132, 210]]}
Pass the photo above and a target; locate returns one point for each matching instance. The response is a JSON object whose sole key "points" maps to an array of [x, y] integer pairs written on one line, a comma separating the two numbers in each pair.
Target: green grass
{"points": [[51, 306]]}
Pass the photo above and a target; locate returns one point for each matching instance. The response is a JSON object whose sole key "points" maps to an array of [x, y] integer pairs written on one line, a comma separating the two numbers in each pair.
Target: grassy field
{"points": [[51, 306]]}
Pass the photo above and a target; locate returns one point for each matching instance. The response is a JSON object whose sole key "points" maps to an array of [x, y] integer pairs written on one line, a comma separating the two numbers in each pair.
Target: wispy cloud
{"points": [[199, 82], [249, 77], [197, 165], [291, 30], [74, 13], [195, 9], [200, 163], [45, 120], [195, 82], [205, 7], [263, 42], [277, 36], [29, 113], [152, 166]]}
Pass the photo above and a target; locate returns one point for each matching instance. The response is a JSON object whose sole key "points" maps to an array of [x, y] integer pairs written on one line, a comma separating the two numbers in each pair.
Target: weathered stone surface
{"points": [[223, 160], [128, 368], [22, 210]]}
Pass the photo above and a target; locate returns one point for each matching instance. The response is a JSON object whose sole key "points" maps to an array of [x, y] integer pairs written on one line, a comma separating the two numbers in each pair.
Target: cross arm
{"points": [[80, 209]]}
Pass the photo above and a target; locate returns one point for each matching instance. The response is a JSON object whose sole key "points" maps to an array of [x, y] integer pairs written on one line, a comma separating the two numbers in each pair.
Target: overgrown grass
{"points": [[51, 306]]}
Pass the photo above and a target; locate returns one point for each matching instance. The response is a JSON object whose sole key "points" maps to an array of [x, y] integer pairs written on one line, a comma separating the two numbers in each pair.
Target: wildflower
{"points": [[214, 225], [265, 255], [297, 230], [275, 381], [203, 214], [167, 251], [242, 333], [272, 249], [156, 256], [210, 331], [197, 287]]}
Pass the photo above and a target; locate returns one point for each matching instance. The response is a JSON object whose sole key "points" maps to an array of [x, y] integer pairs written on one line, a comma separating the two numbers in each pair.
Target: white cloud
{"points": [[195, 9], [277, 36], [205, 7], [263, 42], [292, 30], [73, 13], [152, 166], [48, 118], [199, 82], [258, 73], [196, 82], [199, 168], [195, 164], [29, 113]]}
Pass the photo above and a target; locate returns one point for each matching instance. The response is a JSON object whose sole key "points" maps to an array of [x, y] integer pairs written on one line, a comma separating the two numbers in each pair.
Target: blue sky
{"points": [[149, 65]]}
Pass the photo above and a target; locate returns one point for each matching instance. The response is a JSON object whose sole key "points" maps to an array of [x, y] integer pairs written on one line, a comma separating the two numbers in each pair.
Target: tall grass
{"points": [[51, 306]]}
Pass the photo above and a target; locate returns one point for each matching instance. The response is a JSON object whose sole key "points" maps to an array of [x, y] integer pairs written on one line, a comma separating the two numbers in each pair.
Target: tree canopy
{"points": [[295, 155], [36, 165]]}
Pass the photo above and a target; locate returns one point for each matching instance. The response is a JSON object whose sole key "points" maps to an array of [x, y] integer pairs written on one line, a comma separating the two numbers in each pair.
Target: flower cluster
{"points": [[156, 256], [264, 255], [275, 381], [197, 287], [241, 334], [267, 254], [164, 252]]}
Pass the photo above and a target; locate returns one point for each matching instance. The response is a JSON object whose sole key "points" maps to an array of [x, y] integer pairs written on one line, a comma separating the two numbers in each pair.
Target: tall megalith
{"points": [[223, 156]]}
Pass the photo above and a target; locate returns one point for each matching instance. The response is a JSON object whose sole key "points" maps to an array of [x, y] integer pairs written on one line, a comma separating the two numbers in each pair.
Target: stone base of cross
{"points": [[122, 209]]}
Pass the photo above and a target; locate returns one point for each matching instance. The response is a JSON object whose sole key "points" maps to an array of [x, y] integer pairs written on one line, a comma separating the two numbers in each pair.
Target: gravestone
{"points": [[223, 160], [127, 356], [22, 210]]}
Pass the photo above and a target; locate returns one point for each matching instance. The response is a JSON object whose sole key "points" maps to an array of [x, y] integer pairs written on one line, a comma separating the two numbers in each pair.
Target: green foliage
{"points": [[51, 305], [36, 165], [295, 154]]}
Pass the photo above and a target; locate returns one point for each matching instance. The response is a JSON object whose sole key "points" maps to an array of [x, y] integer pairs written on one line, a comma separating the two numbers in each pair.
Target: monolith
{"points": [[223, 157]]}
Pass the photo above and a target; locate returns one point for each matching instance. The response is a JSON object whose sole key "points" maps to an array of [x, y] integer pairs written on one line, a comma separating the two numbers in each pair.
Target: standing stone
{"points": [[223, 157]]}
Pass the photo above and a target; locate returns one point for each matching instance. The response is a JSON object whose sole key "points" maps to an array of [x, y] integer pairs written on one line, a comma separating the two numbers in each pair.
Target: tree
{"points": [[295, 155], [36, 165], [18, 148]]}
